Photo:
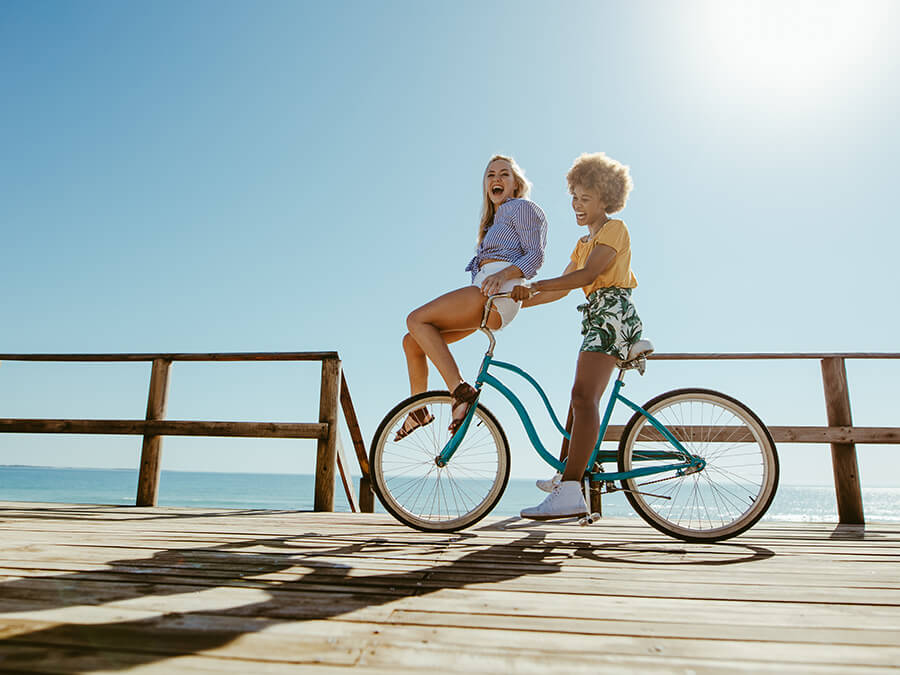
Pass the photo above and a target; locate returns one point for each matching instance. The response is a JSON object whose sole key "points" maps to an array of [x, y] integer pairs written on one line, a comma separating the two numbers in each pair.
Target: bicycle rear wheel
{"points": [[727, 496], [423, 495]]}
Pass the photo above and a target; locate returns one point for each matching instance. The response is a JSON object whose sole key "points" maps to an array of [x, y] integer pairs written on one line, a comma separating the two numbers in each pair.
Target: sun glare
{"points": [[790, 48]]}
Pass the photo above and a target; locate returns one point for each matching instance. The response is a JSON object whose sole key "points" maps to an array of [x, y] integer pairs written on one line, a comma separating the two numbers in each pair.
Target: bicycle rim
{"points": [[425, 496], [733, 490]]}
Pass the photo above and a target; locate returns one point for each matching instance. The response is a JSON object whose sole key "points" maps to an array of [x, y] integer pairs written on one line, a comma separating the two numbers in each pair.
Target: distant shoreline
{"points": [[286, 473]]}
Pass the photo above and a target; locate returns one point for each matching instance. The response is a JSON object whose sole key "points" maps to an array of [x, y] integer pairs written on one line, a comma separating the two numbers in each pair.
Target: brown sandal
{"points": [[416, 418], [463, 397]]}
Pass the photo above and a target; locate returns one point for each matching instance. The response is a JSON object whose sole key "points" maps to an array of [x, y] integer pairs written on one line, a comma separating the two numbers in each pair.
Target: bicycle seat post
{"points": [[484, 319]]}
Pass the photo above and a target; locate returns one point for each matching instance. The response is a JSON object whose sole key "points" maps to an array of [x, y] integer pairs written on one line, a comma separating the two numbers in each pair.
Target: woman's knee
{"points": [[413, 320], [410, 346], [584, 397]]}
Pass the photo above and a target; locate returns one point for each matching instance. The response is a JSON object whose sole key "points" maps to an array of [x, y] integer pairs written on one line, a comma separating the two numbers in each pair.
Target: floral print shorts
{"points": [[610, 323]]}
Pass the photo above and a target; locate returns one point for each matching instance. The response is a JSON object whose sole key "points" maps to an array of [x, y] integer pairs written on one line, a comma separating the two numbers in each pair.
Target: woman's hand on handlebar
{"points": [[520, 293], [493, 284]]}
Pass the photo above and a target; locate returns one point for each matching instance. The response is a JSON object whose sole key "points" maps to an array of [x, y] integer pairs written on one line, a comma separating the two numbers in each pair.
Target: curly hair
{"points": [[605, 176], [522, 190]]}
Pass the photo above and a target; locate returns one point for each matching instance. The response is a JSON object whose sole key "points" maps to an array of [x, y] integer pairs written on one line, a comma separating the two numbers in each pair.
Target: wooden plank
{"points": [[835, 434], [151, 448], [843, 454], [344, 471], [166, 428], [342, 642], [719, 356], [213, 356], [319, 356], [353, 425], [647, 627], [395, 579], [329, 398], [366, 493], [780, 434]]}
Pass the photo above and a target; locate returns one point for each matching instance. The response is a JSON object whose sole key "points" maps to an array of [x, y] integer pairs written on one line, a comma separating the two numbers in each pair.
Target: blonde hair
{"points": [[605, 176], [522, 190]]}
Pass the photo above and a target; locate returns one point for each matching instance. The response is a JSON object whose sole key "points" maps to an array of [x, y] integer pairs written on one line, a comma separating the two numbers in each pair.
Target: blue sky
{"points": [[284, 176]]}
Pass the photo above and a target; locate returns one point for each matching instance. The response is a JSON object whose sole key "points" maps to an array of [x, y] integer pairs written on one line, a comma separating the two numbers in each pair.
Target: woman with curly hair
{"points": [[601, 267], [512, 235]]}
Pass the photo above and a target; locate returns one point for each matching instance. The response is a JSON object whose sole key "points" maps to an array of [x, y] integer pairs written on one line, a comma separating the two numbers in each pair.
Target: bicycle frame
{"points": [[598, 456]]}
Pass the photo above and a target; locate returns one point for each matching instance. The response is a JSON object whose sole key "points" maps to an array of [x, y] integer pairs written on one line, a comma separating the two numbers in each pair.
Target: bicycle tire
{"points": [[729, 495], [424, 496]]}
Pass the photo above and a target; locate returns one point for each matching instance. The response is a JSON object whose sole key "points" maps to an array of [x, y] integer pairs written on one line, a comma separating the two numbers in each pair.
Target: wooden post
{"points": [[326, 453], [843, 455], [366, 495], [151, 450]]}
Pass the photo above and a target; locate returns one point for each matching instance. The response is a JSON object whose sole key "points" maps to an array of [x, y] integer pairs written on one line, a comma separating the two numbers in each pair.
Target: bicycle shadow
{"points": [[665, 551], [302, 578], [328, 590]]}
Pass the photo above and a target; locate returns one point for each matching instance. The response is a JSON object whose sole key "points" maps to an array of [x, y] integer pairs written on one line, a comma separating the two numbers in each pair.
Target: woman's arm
{"points": [[599, 259], [549, 290], [531, 297]]}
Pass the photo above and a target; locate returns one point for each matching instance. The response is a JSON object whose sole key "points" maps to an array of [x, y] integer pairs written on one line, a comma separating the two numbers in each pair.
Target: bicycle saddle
{"points": [[639, 351]]}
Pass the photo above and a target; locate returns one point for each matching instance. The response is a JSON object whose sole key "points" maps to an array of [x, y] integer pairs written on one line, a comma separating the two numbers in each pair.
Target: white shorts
{"points": [[507, 308]]}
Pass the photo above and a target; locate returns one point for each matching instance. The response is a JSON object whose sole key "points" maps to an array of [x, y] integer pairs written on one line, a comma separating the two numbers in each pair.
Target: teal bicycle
{"points": [[694, 463]]}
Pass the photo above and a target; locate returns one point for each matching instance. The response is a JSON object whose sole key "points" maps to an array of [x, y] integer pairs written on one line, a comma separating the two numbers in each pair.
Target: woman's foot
{"points": [[463, 397], [565, 501], [416, 418]]}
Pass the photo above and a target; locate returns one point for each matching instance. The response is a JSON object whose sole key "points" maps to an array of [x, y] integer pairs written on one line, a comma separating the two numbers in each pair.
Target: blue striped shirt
{"points": [[518, 236]]}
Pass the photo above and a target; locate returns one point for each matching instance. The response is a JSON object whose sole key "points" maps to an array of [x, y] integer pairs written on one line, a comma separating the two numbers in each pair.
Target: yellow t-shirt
{"points": [[615, 235]]}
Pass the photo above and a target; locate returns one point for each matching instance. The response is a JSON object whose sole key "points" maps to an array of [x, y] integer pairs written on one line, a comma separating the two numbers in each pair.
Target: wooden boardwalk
{"points": [[163, 590]]}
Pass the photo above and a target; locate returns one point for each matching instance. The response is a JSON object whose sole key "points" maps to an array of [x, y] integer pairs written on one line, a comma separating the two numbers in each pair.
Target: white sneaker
{"points": [[565, 501], [548, 484]]}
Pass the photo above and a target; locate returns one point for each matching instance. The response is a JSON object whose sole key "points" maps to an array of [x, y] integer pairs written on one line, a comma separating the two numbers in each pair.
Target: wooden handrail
{"points": [[334, 396], [214, 356], [166, 428], [845, 434], [712, 356]]}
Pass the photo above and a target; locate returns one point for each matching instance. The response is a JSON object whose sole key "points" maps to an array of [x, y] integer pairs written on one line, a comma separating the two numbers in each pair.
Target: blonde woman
{"points": [[512, 235]]}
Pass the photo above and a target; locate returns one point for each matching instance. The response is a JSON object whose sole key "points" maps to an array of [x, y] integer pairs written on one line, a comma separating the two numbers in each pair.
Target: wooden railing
{"points": [[333, 395], [840, 433]]}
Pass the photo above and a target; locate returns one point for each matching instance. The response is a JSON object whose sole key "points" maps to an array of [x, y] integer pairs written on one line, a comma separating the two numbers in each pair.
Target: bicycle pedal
{"points": [[584, 521]]}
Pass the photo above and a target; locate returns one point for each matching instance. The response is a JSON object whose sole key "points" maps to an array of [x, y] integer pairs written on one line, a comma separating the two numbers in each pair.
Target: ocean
{"points": [[295, 492]]}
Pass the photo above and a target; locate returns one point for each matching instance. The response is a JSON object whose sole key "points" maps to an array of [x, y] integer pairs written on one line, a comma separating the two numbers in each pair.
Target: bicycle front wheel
{"points": [[432, 498], [729, 494]]}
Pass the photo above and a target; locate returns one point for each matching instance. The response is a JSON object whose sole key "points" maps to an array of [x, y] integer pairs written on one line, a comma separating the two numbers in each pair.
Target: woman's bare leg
{"points": [[564, 448], [458, 310], [417, 363], [592, 373]]}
